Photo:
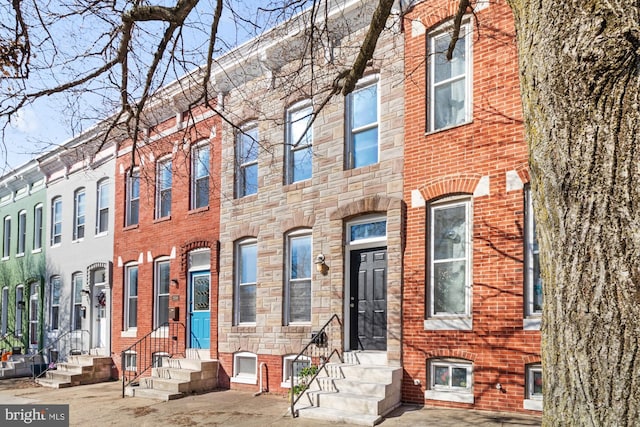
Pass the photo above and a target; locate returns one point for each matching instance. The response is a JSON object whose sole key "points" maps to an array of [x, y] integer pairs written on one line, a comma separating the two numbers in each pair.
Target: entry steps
{"points": [[359, 391], [78, 370], [178, 377], [21, 365]]}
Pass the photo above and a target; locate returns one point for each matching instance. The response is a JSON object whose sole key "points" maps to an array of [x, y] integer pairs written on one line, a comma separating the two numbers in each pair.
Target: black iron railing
{"points": [[66, 343], [149, 350], [306, 366]]}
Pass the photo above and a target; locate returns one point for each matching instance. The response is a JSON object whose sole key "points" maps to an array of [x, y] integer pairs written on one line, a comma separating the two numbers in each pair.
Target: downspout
{"points": [[261, 390]]}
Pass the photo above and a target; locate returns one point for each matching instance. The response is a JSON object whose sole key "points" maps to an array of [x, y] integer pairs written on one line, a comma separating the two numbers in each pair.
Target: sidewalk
{"points": [[102, 404]]}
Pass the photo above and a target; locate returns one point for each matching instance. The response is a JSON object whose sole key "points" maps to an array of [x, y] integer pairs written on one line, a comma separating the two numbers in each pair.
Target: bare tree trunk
{"points": [[580, 84]]}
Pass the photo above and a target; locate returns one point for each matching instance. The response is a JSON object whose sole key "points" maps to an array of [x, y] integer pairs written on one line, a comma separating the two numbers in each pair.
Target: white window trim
{"points": [[287, 305], [450, 394], [160, 331], [195, 158], [161, 166], [291, 148], [364, 83], [22, 233], [241, 188], [4, 320], [54, 202], [237, 283], [51, 304], [287, 362], [6, 237], [451, 321], [532, 318], [367, 219], [37, 227], [131, 177], [103, 185], [467, 29], [130, 356], [76, 214], [244, 378], [127, 302], [532, 402], [75, 302], [19, 312]]}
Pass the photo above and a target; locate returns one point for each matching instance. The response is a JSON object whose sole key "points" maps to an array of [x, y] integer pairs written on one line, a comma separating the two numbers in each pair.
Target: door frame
{"points": [[191, 275], [352, 246]]}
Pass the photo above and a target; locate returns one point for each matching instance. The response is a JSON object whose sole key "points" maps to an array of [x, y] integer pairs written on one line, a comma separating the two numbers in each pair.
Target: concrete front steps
{"points": [[360, 391], [78, 370], [178, 377], [20, 365]]}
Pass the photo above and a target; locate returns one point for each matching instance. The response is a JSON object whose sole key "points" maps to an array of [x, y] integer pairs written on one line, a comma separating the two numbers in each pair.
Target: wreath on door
{"points": [[102, 299]]}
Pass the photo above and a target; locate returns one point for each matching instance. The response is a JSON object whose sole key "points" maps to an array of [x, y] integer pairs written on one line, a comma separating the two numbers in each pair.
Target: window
{"points": [[161, 288], [159, 359], [131, 297], [449, 91], [102, 207], [298, 286], [20, 304], [244, 368], [245, 284], [76, 320], [22, 232], [200, 176], [299, 139], [54, 302], [450, 380], [33, 313], [449, 258], [130, 361], [362, 125], [6, 241], [533, 280], [78, 214], [533, 400], [289, 368], [247, 161], [56, 221], [163, 188], [5, 311], [37, 227], [133, 198]]}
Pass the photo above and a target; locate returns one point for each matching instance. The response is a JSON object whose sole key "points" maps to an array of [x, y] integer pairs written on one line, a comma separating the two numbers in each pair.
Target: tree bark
{"points": [[580, 85]]}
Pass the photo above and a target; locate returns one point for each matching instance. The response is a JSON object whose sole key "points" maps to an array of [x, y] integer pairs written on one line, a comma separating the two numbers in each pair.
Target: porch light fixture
{"points": [[174, 282], [321, 266]]}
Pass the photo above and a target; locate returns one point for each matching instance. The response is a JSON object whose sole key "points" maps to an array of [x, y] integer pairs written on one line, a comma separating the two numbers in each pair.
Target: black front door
{"points": [[368, 299]]}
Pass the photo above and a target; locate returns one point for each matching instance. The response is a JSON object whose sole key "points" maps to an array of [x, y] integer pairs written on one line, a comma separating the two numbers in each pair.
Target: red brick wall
{"points": [[175, 237], [452, 160]]}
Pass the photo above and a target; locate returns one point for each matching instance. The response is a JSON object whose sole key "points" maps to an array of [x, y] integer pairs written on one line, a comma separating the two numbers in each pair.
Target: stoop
{"points": [[359, 391], [78, 370], [178, 377]]}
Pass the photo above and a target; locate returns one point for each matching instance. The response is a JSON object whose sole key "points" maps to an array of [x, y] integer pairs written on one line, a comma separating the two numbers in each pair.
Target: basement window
{"points": [[245, 368], [450, 380]]}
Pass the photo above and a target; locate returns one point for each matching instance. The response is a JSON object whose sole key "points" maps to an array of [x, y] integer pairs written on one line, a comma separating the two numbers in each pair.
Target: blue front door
{"points": [[200, 313]]}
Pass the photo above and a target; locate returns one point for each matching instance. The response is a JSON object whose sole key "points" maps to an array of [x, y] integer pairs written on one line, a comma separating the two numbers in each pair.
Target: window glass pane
{"points": [[449, 287], [300, 257], [135, 186], [364, 106], [441, 376], [449, 232], [537, 382], [459, 377], [201, 293], [302, 164], [300, 301], [368, 230], [246, 366], [133, 312], [248, 145], [300, 134], [247, 303], [450, 104], [55, 292], [163, 310], [133, 281], [445, 69], [37, 228], [249, 179], [200, 259], [365, 148], [248, 257], [202, 162], [163, 277], [103, 201], [202, 192]]}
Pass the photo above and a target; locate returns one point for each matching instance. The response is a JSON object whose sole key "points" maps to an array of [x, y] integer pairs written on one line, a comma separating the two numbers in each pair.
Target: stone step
{"points": [[166, 384], [349, 402], [365, 358], [338, 417], [175, 373], [368, 373], [149, 393], [194, 364], [53, 383]]}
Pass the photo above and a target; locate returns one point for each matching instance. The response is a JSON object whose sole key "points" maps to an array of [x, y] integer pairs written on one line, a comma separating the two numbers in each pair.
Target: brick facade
{"points": [[473, 159], [172, 237]]}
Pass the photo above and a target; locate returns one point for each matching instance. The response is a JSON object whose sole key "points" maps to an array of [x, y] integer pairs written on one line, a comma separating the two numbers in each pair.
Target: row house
{"points": [[472, 290], [22, 266]]}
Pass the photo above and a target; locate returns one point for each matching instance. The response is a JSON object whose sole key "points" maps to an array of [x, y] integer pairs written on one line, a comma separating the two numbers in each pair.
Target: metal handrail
{"points": [[163, 339], [51, 345], [321, 342]]}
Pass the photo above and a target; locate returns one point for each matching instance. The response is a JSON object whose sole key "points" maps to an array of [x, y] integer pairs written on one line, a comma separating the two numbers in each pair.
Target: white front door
{"points": [[100, 318]]}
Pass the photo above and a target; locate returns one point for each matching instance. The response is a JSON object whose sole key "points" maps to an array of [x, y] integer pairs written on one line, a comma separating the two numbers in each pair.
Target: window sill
{"points": [[163, 219], [36, 251], [195, 211], [244, 380], [129, 333], [533, 404], [56, 245], [449, 324], [531, 323], [75, 241], [449, 396], [20, 255], [248, 197], [4, 258], [298, 185], [246, 328], [103, 234], [130, 227]]}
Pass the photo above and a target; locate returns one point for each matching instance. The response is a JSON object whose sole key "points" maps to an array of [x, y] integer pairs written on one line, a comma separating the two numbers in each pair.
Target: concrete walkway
{"points": [[102, 404]]}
